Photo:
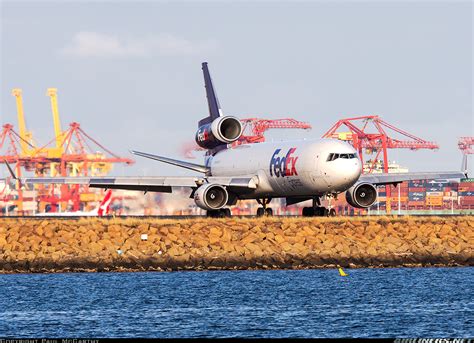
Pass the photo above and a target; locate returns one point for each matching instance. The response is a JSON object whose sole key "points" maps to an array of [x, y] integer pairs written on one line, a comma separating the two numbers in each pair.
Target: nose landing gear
{"points": [[264, 211], [317, 210]]}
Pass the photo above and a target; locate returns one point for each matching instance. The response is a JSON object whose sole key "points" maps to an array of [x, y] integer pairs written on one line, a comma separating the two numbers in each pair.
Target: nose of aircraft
{"points": [[354, 169], [342, 173]]}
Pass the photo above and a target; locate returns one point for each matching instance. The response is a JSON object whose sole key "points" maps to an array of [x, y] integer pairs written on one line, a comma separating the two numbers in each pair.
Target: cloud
{"points": [[94, 44]]}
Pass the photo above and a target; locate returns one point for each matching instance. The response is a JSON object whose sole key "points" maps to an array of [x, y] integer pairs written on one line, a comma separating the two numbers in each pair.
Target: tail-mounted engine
{"points": [[211, 196], [222, 130], [361, 195]]}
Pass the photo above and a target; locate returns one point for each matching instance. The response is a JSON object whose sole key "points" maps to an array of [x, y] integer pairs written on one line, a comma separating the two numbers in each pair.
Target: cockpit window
{"points": [[334, 156]]}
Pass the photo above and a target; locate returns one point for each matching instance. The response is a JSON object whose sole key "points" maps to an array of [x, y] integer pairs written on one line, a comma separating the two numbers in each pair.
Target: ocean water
{"points": [[395, 302]]}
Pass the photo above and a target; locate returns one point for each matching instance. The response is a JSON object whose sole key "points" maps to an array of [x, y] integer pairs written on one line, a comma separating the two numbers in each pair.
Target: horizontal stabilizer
{"points": [[183, 164]]}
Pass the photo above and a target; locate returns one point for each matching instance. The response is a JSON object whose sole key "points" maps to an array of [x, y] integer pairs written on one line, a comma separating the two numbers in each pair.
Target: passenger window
{"points": [[346, 156], [330, 157]]}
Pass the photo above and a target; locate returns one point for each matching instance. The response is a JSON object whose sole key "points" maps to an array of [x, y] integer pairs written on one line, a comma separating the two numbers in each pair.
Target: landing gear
{"points": [[317, 210], [264, 211], [222, 213]]}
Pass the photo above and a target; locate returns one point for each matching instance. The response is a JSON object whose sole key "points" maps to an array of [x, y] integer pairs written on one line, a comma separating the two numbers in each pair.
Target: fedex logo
{"points": [[283, 166], [202, 135]]}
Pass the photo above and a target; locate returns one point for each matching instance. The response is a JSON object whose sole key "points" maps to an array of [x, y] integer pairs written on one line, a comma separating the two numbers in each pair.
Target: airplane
{"points": [[101, 210], [296, 170]]}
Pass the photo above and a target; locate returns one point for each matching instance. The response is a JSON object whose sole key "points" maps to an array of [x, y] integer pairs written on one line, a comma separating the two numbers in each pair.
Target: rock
{"points": [[234, 243]]}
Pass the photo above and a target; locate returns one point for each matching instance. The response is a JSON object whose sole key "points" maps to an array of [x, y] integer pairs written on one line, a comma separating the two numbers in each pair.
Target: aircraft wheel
{"points": [[332, 213], [216, 213], [308, 212], [211, 214], [268, 212], [260, 212], [227, 212]]}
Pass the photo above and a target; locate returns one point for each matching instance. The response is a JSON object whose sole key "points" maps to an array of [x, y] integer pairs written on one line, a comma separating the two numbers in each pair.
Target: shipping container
{"points": [[450, 198], [434, 188], [467, 201], [438, 181], [416, 203], [434, 201], [418, 194], [416, 198], [469, 186], [395, 199], [417, 189], [434, 194], [417, 183]]}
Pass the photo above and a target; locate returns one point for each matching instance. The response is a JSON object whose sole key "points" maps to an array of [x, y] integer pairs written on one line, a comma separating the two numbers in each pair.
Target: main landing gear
{"points": [[317, 210], [264, 211], [222, 213]]}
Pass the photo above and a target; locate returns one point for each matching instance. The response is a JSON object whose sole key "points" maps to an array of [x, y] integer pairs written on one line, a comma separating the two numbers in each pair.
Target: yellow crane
{"points": [[26, 137], [58, 150]]}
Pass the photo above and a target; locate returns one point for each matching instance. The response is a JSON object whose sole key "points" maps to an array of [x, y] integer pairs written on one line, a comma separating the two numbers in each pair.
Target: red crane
{"points": [[377, 141], [466, 145], [253, 131], [254, 128]]}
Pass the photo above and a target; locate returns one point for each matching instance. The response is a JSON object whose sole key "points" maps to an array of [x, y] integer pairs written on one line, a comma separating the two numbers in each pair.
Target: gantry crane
{"points": [[466, 145], [253, 131], [58, 149], [69, 153], [26, 139], [255, 128], [376, 142]]}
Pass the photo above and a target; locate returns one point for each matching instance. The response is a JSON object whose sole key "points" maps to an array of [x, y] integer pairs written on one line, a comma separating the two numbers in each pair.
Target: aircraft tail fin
{"points": [[215, 110], [104, 206], [183, 164]]}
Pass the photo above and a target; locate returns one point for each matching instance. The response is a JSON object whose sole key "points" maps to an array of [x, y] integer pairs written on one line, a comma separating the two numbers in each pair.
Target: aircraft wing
{"points": [[393, 178], [162, 184]]}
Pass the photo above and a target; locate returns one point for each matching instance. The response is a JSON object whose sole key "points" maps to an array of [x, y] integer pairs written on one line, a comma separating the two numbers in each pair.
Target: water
{"points": [[420, 302]]}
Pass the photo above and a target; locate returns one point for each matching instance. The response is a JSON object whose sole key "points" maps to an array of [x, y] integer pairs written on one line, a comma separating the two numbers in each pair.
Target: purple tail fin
{"points": [[215, 110]]}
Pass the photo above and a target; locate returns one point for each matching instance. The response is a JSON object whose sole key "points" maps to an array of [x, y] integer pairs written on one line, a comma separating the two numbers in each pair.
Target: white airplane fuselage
{"points": [[291, 168]]}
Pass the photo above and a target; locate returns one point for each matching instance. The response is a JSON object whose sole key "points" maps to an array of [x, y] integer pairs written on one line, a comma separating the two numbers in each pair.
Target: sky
{"points": [[130, 72]]}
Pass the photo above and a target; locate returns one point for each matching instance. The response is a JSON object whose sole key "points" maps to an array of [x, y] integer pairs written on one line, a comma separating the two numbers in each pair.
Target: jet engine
{"points": [[211, 196], [222, 130], [361, 195]]}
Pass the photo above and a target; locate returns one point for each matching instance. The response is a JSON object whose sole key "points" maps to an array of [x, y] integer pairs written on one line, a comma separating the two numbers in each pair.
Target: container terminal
{"points": [[73, 152]]}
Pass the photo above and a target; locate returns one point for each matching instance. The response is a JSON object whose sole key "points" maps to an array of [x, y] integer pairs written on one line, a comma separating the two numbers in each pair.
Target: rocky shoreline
{"points": [[97, 245]]}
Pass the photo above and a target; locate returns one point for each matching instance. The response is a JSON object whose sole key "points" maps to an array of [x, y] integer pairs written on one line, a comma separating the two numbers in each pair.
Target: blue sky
{"points": [[130, 72]]}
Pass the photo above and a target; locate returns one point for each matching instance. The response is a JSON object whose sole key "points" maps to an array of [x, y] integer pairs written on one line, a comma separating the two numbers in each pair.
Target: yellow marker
{"points": [[341, 272]]}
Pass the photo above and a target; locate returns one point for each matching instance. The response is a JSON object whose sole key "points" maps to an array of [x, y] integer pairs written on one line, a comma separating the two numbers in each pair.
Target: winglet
{"points": [[12, 173]]}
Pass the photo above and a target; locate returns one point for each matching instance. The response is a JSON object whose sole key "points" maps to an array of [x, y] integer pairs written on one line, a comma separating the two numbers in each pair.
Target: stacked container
{"points": [[434, 192], [416, 193], [466, 193]]}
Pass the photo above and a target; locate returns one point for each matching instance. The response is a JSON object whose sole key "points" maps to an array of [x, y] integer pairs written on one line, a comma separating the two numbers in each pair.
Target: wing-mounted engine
{"points": [[221, 131], [211, 196], [361, 195]]}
